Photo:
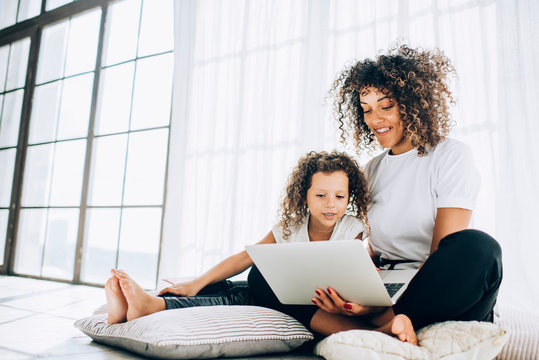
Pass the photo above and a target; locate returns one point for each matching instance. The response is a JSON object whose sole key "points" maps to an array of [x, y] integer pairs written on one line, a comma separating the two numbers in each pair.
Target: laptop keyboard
{"points": [[393, 288]]}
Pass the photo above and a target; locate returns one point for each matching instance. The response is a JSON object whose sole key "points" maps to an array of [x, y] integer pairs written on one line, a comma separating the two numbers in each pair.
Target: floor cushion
{"points": [[523, 331], [200, 332], [450, 340]]}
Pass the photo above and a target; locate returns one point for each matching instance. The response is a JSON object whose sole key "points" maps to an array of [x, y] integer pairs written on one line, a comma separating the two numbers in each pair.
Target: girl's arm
{"points": [[229, 267], [448, 221]]}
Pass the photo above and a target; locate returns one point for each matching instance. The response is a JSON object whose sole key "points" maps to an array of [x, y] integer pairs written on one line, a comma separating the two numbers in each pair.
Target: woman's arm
{"points": [[230, 266], [448, 221]]}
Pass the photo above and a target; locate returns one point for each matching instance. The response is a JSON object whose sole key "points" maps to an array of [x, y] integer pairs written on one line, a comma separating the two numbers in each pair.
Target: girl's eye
{"points": [[340, 197], [387, 107], [320, 195], [366, 111]]}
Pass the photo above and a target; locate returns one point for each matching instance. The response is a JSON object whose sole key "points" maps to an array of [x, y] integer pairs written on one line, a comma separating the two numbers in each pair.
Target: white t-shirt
{"points": [[407, 190], [347, 228]]}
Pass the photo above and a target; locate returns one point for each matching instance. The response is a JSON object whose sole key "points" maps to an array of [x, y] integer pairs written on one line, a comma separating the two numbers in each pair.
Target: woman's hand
{"points": [[190, 288], [331, 302]]}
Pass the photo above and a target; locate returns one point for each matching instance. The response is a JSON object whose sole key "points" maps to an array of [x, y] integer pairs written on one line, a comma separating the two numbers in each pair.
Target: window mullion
{"points": [[22, 146], [89, 148]]}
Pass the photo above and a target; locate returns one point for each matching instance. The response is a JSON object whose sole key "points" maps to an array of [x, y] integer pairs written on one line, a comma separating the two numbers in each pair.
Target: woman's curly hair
{"points": [[416, 78], [294, 205]]}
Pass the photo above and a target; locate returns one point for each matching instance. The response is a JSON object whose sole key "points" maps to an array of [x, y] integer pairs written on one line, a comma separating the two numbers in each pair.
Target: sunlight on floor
{"points": [[37, 316]]}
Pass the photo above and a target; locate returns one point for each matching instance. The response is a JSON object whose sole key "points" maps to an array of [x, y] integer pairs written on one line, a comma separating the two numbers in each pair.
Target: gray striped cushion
{"points": [[201, 332], [523, 329]]}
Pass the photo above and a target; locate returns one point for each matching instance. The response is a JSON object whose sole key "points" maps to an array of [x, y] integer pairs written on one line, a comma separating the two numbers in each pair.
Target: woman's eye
{"points": [[387, 107], [366, 111], [320, 195], [340, 197]]}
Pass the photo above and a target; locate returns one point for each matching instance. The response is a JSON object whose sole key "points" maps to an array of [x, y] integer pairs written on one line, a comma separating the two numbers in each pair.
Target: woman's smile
{"points": [[383, 131]]}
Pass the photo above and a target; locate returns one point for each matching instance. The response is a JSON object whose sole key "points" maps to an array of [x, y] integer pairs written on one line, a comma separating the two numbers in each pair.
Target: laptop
{"points": [[295, 270]]}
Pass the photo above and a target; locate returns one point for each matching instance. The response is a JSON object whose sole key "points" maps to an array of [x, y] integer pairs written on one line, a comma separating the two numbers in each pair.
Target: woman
{"points": [[423, 190]]}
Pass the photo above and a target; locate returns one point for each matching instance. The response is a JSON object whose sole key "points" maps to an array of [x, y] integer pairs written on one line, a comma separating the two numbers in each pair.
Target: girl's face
{"points": [[382, 116], [327, 199]]}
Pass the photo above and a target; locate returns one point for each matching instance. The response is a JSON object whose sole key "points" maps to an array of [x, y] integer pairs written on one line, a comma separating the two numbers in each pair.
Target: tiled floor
{"points": [[36, 320], [37, 316]]}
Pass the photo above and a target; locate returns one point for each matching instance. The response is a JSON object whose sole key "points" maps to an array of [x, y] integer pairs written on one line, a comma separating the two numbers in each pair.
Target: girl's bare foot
{"points": [[116, 302], [139, 302], [401, 327]]}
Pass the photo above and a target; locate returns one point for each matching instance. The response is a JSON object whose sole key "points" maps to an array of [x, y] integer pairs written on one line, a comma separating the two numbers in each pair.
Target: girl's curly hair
{"points": [[294, 205], [416, 78]]}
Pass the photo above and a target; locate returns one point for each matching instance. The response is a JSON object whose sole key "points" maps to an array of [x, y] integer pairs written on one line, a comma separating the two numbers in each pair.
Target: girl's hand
{"points": [[190, 288], [331, 302]]}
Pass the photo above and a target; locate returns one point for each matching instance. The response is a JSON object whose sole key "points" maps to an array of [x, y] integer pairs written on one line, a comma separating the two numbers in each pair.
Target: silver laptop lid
{"points": [[295, 270]]}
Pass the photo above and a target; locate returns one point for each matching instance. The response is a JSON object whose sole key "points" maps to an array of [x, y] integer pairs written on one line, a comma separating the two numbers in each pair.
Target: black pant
{"points": [[459, 281], [224, 292]]}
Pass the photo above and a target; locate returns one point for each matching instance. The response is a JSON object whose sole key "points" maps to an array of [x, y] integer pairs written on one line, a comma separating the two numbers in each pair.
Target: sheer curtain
{"points": [[250, 97], [248, 101]]}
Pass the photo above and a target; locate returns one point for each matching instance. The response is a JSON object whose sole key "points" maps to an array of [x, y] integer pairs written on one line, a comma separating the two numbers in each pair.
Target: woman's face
{"points": [[382, 116]]}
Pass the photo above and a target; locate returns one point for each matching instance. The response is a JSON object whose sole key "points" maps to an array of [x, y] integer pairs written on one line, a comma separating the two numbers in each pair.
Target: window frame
{"points": [[33, 28]]}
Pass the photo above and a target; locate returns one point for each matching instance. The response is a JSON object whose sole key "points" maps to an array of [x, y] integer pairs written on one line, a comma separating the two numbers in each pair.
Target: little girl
{"points": [[326, 199]]}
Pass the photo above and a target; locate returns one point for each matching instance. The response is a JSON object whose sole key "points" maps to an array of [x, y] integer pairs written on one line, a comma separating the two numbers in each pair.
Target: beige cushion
{"points": [[450, 340], [201, 332]]}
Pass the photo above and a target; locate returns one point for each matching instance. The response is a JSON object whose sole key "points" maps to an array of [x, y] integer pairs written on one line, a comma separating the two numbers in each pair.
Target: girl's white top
{"points": [[347, 228]]}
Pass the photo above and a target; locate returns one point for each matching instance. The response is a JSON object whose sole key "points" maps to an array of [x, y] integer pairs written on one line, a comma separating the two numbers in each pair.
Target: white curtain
{"points": [[251, 84], [249, 94]]}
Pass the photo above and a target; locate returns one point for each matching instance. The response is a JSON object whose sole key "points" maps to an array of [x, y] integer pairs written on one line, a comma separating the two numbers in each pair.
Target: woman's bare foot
{"points": [[139, 302], [116, 302], [401, 327]]}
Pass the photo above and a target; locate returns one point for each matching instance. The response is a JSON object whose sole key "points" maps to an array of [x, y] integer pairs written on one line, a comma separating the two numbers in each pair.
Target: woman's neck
{"points": [[403, 146]]}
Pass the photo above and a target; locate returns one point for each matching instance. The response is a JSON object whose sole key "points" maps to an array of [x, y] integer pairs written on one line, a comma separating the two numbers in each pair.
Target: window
{"points": [[13, 63], [90, 191], [14, 11]]}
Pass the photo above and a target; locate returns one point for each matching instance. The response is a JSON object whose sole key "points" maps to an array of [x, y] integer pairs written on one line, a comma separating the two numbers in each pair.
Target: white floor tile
{"points": [[6, 292], [6, 279], [39, 322], [50, 330], [78, 310], [72, 348], [6, 354], [103, 355], [41, 302], [82, 292], [16, 282], [10, 314]]}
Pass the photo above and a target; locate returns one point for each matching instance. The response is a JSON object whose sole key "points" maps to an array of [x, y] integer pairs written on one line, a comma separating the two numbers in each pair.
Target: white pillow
{"points": [[450, 340], [201, 332]]}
